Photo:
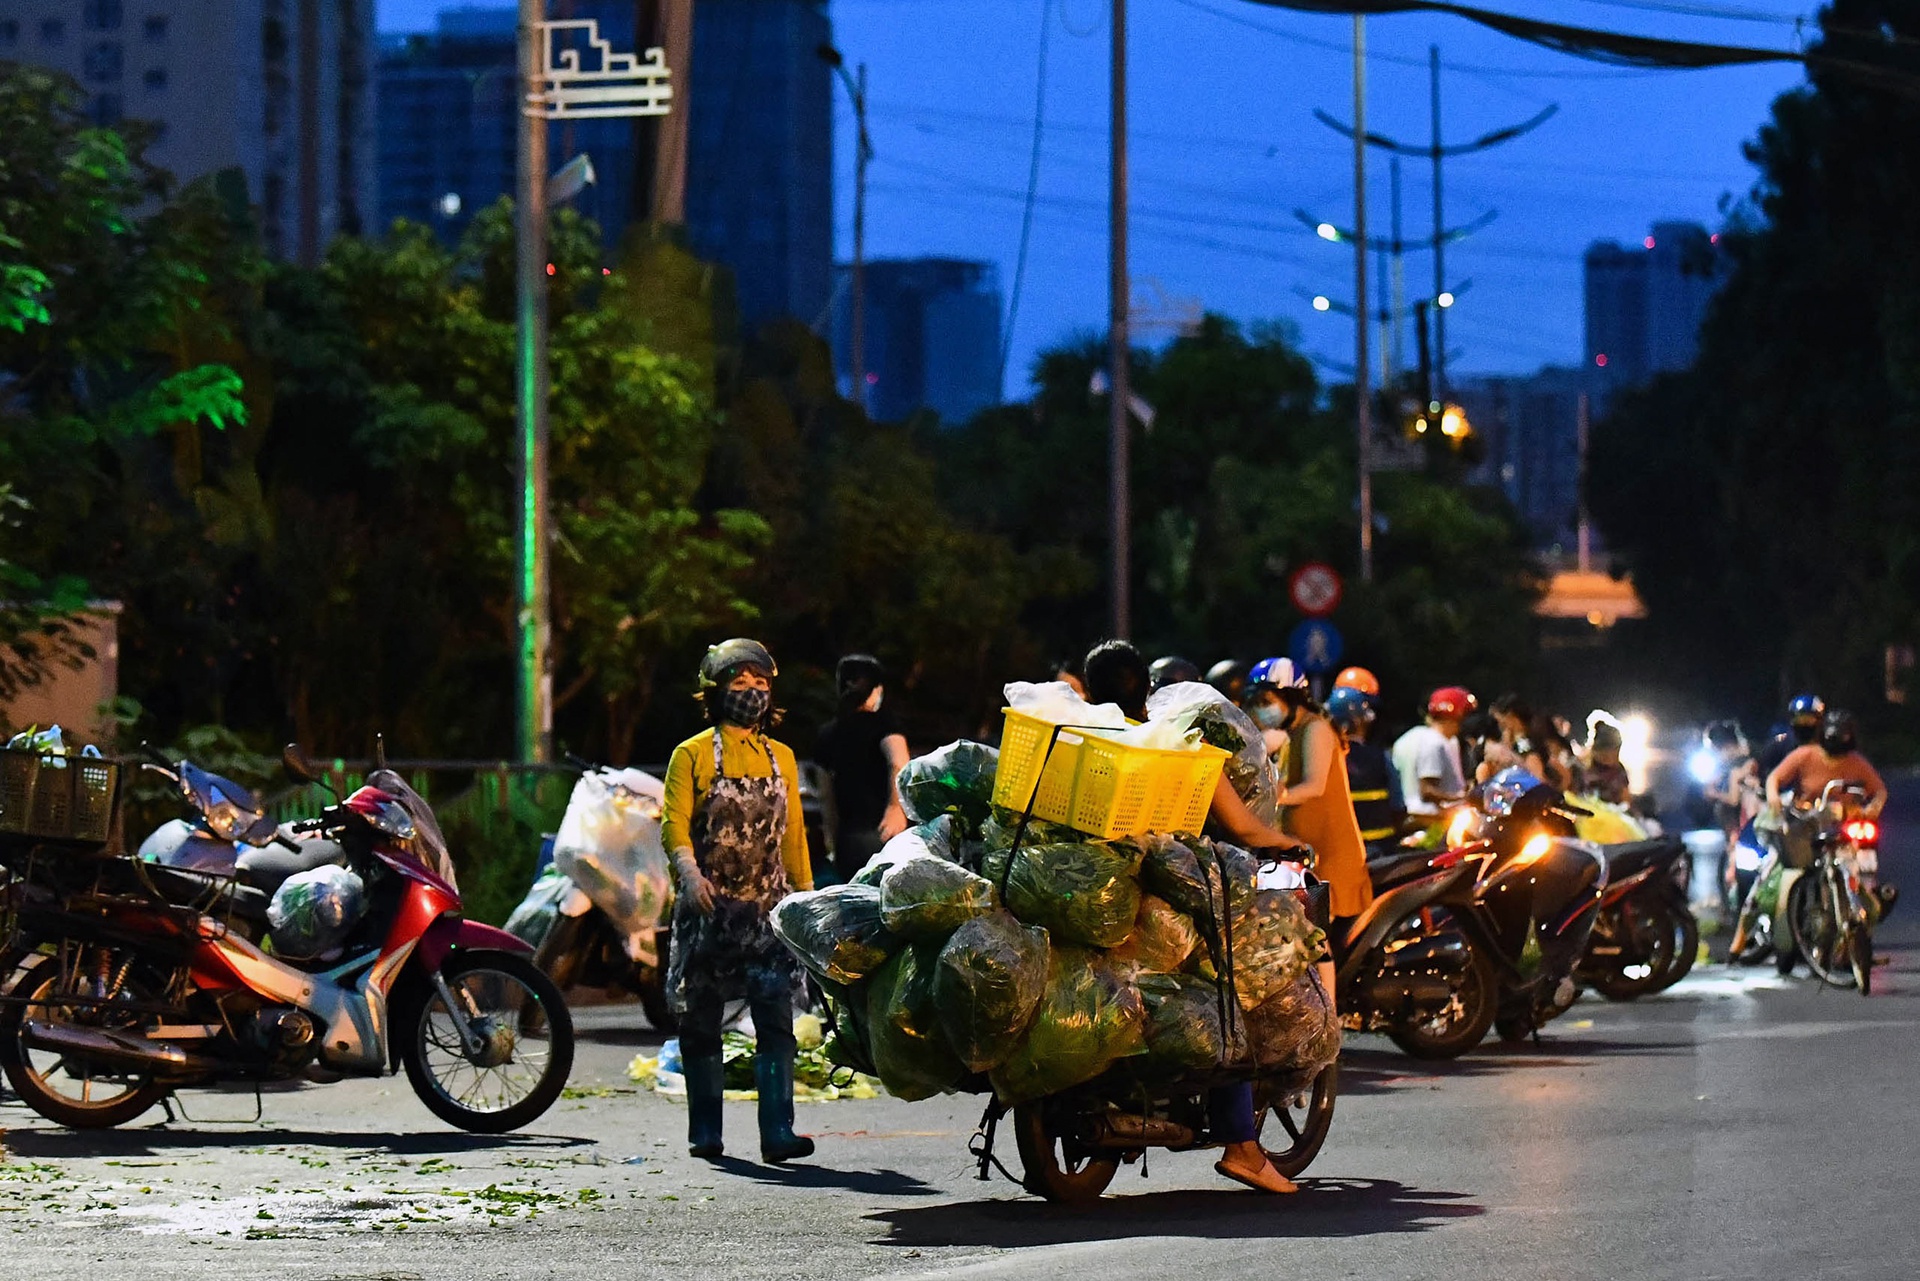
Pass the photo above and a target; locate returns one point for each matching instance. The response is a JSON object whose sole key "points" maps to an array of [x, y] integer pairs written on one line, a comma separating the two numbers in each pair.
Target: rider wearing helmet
{"points": [[1804, 715], [733, 825], [1314, 796], [1171, 670], [1362, 680], [1378, 806], [1836, 757], [1263, 702], [1229, 676], [1427, 757]]}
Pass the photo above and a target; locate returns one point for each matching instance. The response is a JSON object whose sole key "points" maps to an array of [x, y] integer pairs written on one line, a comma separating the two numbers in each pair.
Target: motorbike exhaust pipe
{"points": [[115, 1048], [1393, 993], [1125, 1131]]}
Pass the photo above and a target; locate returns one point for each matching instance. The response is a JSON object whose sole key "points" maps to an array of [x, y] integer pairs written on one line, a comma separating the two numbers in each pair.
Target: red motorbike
{"points": [[127, 980]]}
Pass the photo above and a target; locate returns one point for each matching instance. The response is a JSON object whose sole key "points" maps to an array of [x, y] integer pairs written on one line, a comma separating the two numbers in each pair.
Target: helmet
{"points": [[1278, 672], [721, 659], [1806, 709], [1347, 707], [1229, 676], [1839, 733], [1171, 670], [1451, 701], [1358, 678]]}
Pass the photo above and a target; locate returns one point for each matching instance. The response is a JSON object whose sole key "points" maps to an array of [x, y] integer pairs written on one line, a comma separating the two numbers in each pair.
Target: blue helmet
{"points": [[1806, 709], [1278, 672], [1347, 707]]}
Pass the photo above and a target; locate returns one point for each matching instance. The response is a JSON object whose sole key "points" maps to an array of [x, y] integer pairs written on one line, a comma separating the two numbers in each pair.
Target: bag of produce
{"points": [[991, 976], [957, 779], [1082, 891], [534, 919], [1183, 1026], [1200, 708], [609, 845], [837, 932], [1273, 944], [1193, 873], [1091, 1016], [998, 831], [1163, 937], [313, 912], [929, 898], [1294, 1029], [910, 1052], [847, 1044]]}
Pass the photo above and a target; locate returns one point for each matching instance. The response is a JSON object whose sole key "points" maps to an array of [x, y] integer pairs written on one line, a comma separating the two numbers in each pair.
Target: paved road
{"points": [[1739, 1126]]}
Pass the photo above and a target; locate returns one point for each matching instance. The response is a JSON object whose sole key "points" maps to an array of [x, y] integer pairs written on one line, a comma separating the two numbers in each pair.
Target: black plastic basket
{"points": [[58, 798]]}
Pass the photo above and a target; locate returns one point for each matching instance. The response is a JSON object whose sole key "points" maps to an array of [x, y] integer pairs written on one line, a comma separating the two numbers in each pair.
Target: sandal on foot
{"points": [[1258, 1180]]}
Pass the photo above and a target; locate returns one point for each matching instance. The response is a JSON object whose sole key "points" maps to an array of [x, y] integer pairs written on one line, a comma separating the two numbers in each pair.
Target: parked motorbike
{"points": [[340, 951], [1645, 938]]}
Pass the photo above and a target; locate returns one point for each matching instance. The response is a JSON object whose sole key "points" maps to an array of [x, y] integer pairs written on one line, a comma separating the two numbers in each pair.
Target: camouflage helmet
{"points": [[729, 654]]}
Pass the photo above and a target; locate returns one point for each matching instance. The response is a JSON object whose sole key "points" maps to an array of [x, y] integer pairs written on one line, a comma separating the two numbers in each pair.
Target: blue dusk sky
{"points": [[1225, 148]]}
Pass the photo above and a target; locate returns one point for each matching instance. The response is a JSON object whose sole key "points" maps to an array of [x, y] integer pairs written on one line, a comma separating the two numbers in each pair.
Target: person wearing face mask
{"points": [[733, 828], [863, 751], [1262, 701]]}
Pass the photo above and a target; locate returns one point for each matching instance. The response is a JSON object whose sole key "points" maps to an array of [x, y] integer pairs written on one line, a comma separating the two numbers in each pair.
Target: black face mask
{"points": [[745, 707]]}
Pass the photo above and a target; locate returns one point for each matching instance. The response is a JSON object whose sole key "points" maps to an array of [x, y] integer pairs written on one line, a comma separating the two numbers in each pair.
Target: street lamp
{"points": [[856, 85]]}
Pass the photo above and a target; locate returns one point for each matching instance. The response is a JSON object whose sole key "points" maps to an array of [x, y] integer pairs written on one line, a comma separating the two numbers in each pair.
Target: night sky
{"points": [[1225, 148]]}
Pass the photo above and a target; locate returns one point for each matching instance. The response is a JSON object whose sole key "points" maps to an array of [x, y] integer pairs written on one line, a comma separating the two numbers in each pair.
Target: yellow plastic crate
{"points": [[1096, 785]]}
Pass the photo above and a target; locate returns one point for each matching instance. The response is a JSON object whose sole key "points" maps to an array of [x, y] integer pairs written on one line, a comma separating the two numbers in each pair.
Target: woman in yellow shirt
{"points": [[734, 829]]}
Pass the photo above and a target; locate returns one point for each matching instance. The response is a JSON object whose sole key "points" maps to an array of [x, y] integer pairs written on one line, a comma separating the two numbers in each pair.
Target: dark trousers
{"points": [[1230, 1113], [772, 1025], [852, 847]]}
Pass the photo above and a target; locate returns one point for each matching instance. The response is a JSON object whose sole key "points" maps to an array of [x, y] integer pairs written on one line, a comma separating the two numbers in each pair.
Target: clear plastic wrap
{"points": [[1273, 945], [1163, 937], [1183, 1026], [1192, 873], [957, 779], [998, 831], [836, 932], [1294, 1030], [609, 845], [928, 898], [313, 912], [1091, 1016], [847, 1044], [533, 920], [991, 978], [1058, 703], [910, 1051], [1198, 708], [1082, 891]]}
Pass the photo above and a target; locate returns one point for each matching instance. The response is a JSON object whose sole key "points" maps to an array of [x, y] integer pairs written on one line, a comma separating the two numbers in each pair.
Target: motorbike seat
{"points": [[192, 889], [1629, 857], [1397, 867], [267, 867]]}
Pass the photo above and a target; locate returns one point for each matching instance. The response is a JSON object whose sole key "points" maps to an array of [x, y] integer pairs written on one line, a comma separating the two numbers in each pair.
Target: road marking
{"points": [[1803, 1031]]}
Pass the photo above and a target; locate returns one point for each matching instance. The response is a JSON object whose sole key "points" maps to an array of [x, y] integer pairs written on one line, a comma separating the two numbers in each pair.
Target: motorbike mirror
{"points": [[379, 751], [302, 770]]}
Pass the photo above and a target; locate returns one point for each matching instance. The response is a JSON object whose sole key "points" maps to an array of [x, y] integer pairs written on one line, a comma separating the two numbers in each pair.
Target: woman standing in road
{"points": [[1315, 802], [734, 829]]}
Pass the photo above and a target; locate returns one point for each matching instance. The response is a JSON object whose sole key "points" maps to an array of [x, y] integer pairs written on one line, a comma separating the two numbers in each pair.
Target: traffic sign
{"points": [[1315, 647], [1315, 588]]}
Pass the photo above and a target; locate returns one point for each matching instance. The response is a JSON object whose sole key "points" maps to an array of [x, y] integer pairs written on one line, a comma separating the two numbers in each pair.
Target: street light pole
{"points": [[1439, 235], [533, 721], [1119, 295], [1362, 383], [862, 154]]}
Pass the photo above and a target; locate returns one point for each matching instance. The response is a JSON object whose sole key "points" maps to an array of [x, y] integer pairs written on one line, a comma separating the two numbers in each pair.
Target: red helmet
{"points": [[1451, 701], [1358, 678]]}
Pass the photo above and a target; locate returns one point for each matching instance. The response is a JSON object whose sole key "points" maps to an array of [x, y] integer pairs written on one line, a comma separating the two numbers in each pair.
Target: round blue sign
{"points": [[1315, 646]]}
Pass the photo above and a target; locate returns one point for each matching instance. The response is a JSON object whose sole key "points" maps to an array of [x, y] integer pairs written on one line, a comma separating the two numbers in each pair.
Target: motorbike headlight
{"points": [[1537, 845], [1464, 827], [227, 819], [391, 818]]}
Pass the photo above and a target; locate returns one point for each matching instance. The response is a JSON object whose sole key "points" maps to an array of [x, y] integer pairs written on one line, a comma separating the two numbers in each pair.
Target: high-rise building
{"points": [[932, 336], [1645, 305], [449, 122], [760, 154], [1530, 427], [280, 90]]}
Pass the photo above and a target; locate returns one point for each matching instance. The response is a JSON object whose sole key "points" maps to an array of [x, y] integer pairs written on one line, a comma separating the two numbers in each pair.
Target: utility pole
{"points": [[1119, 299], [1362, 383], [533, 720], [1396, 360], [1439, 236], [1585, 533], [856, 86]]}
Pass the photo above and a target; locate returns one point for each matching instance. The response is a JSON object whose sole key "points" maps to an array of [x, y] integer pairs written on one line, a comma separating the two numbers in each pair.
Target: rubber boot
{"points": [[773, 1074], [706, 1092]]}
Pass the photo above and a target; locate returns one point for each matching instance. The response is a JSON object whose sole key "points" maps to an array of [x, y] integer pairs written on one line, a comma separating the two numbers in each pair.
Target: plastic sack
{"points": [[1183, 1026], [1202, 709], [1606, 824], [998, 831], [1273, 944], [1058, 703], [836, 932], [312, 912], [1082, 891], [1194, 873], [847, 1043], [1163, 937], [957, 779], [609, 845], [991, 976], [533, 920], [1295, 1029], [929, 898], [908, 844], [1091, 1016], [910, 1052]]}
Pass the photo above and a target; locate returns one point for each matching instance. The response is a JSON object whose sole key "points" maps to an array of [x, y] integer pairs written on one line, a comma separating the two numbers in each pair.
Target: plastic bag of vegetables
{"points": [[1091, 1016], [1183, 1026], [1083, 891], [998, 831], [1163, 937], [847, 1044], [991, 977], [836, 932], [1273, 944], [1193, 873], [1294, 1029], [910, 1052], [929, 898], [1197, 707], [957, 779]]}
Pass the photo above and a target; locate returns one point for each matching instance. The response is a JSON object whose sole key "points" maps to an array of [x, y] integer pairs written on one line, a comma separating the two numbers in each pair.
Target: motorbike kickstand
{"points": [[980, 1146]]}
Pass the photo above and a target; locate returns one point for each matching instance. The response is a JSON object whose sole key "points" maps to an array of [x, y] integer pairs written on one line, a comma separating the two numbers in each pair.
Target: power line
{"points": [[1033, 188]]}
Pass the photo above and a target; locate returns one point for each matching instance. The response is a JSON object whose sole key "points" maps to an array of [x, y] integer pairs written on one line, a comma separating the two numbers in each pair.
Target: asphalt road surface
{"points": [[1738, 1126]]}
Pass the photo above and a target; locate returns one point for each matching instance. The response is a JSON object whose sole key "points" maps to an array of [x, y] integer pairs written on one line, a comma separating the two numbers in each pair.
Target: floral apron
{"points": [[732, 952]]}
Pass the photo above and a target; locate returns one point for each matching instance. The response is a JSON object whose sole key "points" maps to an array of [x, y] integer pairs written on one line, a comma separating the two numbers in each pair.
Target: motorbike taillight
{"points": [[1863, 831]]}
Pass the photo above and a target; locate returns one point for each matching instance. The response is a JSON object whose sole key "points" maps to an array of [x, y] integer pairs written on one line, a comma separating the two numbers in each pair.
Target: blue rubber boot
{"points": [[706, 1092], [773, 1075]]}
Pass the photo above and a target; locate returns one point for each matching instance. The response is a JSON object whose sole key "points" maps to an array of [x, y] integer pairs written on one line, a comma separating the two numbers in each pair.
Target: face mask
{"points": [[745, 707], [1270, 716]]}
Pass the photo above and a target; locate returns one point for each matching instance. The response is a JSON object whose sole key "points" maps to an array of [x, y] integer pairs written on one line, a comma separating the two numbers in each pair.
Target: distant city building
{"points": [[449, 121], [277, 89], [760, 154], [1645, 304], [932, 336], [1530, 427]]}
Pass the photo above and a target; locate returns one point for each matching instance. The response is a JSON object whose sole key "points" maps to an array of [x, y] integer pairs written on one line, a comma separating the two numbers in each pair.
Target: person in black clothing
{"points": [[1378, 805], [863, 751], [1804, 716]]}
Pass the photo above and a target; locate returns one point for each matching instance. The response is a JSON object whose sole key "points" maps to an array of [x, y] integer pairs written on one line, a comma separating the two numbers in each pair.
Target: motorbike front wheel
{"points": [[1631, 950], [524, 1052]]}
